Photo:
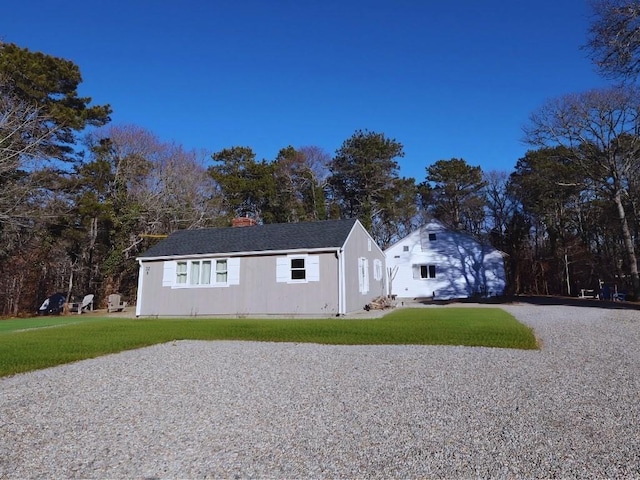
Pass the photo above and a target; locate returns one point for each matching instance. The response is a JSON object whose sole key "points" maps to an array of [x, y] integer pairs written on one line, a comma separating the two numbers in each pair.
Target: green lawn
{"points": [[14, 324], [26, 346]]}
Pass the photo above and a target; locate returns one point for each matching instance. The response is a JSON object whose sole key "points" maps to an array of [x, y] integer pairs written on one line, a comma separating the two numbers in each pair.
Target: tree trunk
{"points": [[628, 243], [70, 286]]}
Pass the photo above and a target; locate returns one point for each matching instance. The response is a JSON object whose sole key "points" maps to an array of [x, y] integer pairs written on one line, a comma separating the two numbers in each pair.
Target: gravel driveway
{"points": [[259, 410]]}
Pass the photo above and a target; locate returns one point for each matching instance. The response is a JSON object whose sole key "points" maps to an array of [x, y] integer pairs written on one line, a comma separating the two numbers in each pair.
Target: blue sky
{"points": [[445, 79]]}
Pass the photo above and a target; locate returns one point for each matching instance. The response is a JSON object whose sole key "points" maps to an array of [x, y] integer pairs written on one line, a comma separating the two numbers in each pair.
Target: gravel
{"points": [[265, 410]]}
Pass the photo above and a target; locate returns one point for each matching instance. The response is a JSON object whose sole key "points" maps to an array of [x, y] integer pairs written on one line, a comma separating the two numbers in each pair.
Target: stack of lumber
{"points": [[380, 303]]}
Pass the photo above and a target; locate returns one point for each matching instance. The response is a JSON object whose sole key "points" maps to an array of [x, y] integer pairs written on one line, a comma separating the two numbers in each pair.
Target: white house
{"points": [[436, 262]]}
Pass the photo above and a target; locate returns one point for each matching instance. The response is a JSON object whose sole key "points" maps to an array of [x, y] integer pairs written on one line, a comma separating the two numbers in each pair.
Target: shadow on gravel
{"points": [[536, 300]]}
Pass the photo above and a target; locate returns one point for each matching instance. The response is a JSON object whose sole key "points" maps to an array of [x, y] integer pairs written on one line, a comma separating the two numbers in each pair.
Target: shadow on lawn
{"points": [[537, 300]]}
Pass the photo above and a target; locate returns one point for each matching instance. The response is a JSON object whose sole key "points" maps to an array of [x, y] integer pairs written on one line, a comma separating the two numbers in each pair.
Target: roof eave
{"points": [[242, 254]]}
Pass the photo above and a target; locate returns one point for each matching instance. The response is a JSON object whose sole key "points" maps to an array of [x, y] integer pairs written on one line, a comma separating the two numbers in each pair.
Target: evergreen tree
{"points": [[452, 193], [363, 173]]}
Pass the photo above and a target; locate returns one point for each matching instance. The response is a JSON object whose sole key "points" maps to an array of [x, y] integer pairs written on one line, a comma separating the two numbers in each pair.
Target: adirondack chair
{"points": [[84, 306], [115, 303]]}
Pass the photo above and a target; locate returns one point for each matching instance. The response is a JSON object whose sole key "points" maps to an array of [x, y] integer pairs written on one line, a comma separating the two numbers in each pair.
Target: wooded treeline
{"points": [[80, 198]]}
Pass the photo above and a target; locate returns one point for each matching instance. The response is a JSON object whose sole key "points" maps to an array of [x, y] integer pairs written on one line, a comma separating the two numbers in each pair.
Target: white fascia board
{"points": [[403, 240], [397, 243], [241, 254], [346, 240]]}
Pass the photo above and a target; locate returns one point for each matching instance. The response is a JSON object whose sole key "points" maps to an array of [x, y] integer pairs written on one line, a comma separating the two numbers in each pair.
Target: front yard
{"points": [[32, 344]]}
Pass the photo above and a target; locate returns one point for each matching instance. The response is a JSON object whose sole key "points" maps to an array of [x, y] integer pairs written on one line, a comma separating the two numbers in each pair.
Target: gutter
{"points": [[139, 295], [240, 254], [341, 283]]}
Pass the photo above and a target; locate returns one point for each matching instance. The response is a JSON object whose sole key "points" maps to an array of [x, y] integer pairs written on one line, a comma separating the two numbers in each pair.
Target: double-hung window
{"points": [[181, 273], [194, 276], [221, 271], [298, 268], [202, 273], [424, 271], [205, 275]]}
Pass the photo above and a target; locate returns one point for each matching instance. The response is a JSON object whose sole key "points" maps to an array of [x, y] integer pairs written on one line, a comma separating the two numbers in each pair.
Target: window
{"points": [[194, 278], [426, 239], [405, 248], [424, 271], [221, 271], [298, 271], [181, 273], [206, 272], [201, 273]]}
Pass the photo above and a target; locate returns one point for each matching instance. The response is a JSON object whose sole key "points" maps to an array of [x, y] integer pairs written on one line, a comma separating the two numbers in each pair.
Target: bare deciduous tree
{"points": [[301, 176], [600, 129], [614, 38], [500, 206], [138, 187], [22, 130]]}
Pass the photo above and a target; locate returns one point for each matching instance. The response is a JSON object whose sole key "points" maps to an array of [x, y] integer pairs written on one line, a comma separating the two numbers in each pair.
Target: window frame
{"points": [[221, 261], [285, 268], [194, 275], [182, 277], [184, 271], [428, 269], [295, 271]]}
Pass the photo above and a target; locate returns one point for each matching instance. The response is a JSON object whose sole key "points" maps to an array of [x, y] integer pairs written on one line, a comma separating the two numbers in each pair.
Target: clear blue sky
{"points": [[446, 79]]}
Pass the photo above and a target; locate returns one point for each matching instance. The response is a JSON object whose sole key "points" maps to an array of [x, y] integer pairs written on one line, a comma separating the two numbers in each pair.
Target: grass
{"points": [[24, 346], [14, 324]]}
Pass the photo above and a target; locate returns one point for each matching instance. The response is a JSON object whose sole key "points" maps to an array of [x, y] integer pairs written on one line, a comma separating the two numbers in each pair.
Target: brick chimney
{"points": [[243, 222]]}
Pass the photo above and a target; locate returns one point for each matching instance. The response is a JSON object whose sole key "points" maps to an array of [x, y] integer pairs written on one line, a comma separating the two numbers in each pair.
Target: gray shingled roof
{"points": [[257, 238]]}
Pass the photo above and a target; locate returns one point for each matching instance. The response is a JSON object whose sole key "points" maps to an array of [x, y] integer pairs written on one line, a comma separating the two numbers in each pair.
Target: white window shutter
{"points": [[283, 269], [377, 270], [168, 273], [416, 271], [360, 274], [233, 271], [366, 275], [313, 268]]}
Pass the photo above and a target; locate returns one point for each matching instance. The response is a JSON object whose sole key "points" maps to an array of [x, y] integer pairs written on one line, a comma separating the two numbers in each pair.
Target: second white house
{"points": [[436, 262]]}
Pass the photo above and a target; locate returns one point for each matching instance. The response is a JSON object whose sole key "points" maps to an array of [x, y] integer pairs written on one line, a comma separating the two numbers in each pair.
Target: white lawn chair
{"points": [[85, 306], [115, 303]]}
